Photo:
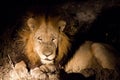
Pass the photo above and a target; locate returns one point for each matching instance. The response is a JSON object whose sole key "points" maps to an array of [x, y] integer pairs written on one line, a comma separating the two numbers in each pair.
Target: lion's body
{"points": [[91, 55]]}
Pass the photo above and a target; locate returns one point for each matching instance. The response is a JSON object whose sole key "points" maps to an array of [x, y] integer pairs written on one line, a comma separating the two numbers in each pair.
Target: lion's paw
{"points": [[52, 71], [45, 72], [48, 68], [38, 74]]}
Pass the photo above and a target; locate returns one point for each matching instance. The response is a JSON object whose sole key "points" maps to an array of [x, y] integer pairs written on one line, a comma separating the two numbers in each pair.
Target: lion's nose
{"points": [[47, 54]]}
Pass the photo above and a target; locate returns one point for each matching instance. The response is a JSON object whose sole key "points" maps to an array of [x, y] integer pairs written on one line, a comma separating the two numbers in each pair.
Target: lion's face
{"points": [[46, 44], [44, 40]]}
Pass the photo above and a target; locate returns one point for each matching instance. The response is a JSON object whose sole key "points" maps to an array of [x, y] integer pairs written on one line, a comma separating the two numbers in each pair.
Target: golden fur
{"points": [[32, 28], [92, 55]]}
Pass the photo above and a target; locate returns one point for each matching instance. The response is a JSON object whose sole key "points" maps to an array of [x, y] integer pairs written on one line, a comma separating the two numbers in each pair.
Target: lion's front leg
{"points": [[45, 72]]}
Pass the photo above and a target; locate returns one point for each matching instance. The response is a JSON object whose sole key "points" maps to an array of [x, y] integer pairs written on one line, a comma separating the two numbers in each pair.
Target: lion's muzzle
{"points": [[47, 53]]}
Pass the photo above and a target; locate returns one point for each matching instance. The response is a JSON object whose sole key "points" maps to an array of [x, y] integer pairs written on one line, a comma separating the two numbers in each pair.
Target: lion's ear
{"points": [[31, 23], [62, 25]]}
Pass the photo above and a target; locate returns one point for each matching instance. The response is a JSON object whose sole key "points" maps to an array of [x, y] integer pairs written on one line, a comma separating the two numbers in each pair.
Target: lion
{"points": [[46, 45]]}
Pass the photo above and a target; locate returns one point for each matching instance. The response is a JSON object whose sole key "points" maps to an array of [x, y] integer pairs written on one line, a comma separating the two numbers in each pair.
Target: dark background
{"points": [[105, 28]]}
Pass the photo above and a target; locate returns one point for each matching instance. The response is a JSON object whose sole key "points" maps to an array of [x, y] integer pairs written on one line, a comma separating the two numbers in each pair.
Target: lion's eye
{"points": [[53, 39], [39, 38]]}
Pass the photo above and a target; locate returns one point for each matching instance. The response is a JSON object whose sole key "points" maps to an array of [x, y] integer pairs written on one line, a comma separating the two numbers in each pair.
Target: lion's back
{"points": [[91, 55]]}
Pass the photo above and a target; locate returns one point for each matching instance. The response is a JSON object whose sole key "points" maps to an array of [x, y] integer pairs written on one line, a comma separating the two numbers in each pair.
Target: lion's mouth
{"points": [[47, 61]]}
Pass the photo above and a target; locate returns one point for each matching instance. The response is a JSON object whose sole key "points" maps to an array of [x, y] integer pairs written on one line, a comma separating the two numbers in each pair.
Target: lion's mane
{"points": [[27, 38]]}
